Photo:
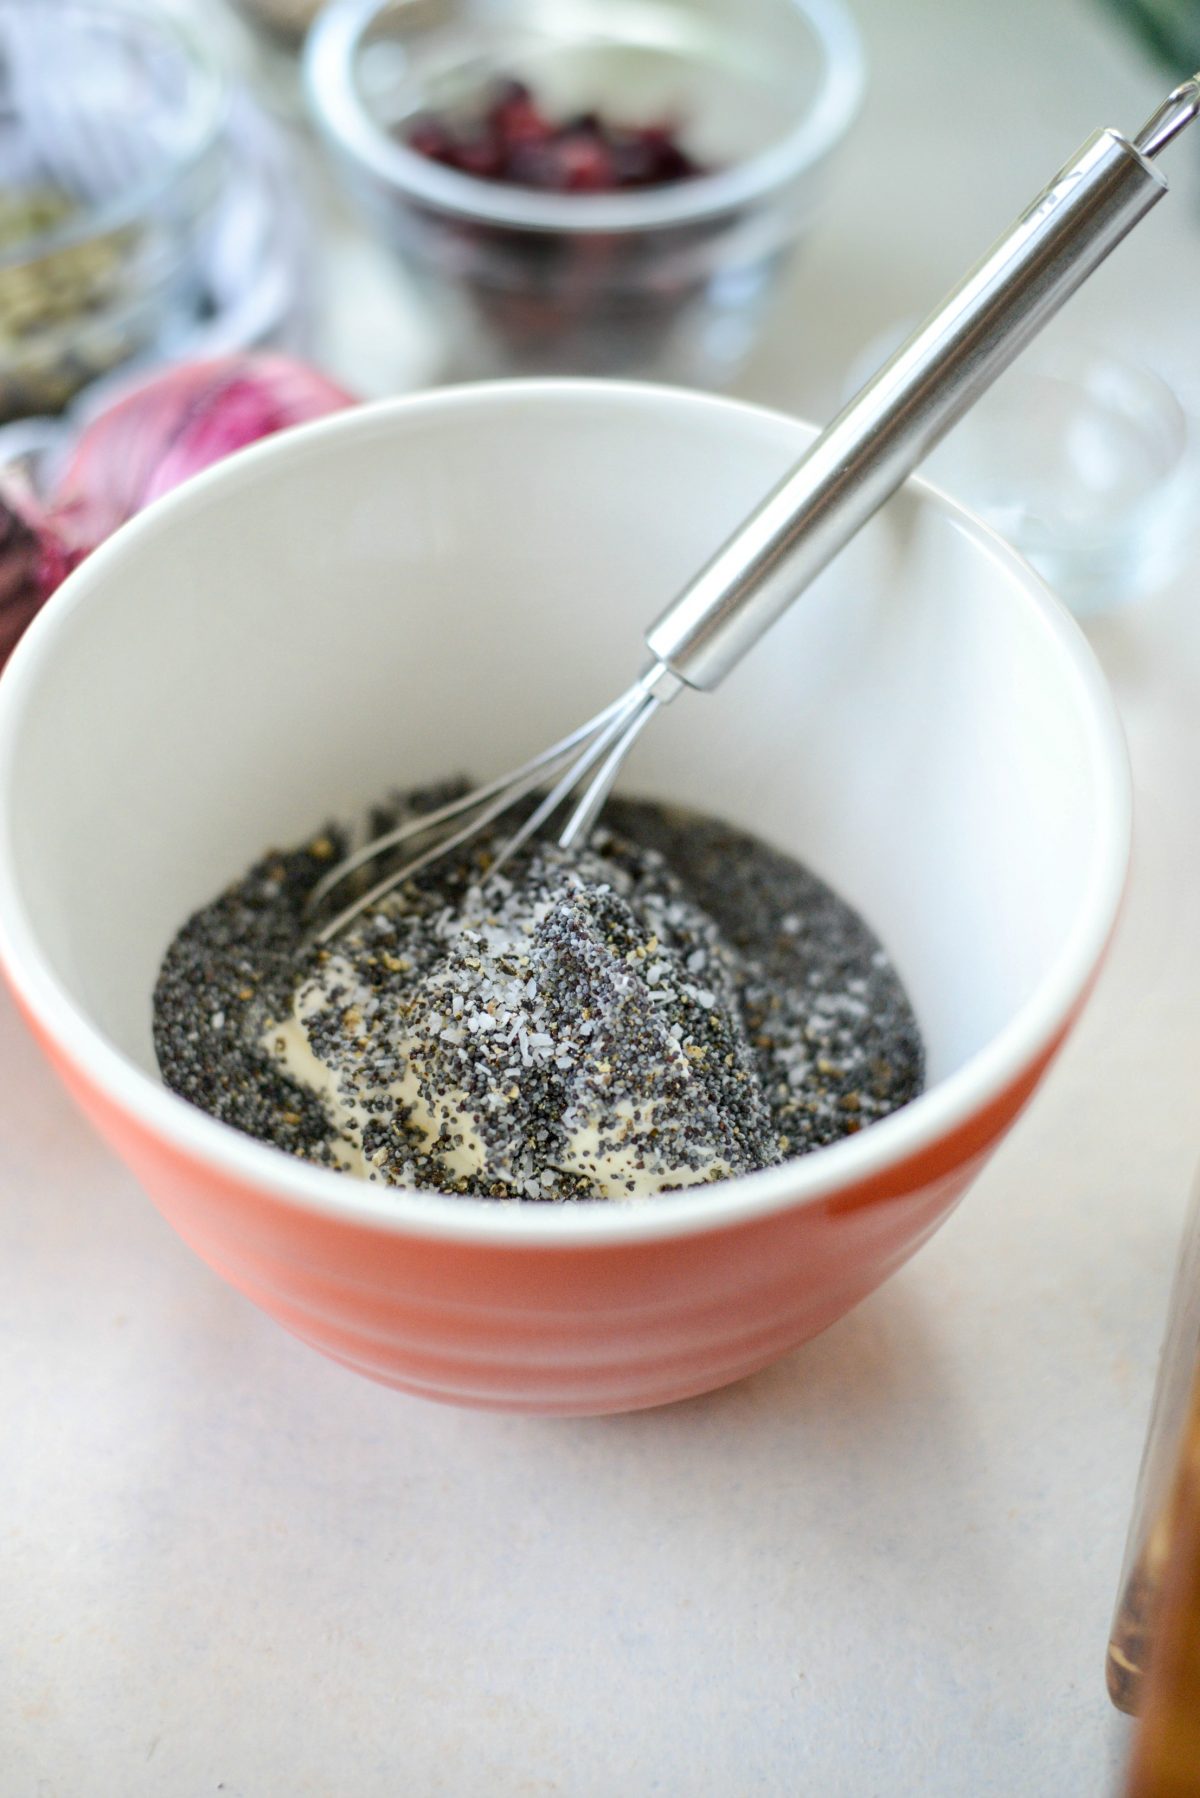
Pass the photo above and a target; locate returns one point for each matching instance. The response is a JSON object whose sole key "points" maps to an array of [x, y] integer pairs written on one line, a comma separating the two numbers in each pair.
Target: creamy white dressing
{"points": [[290, 1044], [617, 1170]]}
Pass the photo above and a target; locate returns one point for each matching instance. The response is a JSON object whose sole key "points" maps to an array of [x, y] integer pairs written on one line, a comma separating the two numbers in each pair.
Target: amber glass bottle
{"points": [[1162, 1556]]}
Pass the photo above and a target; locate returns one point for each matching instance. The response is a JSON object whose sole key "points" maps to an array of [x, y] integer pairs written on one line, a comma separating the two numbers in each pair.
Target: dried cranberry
{"points": [[634, 161], [535, 165], [432, 138], [585, 164], [483, 154], [512, 140], [515, 119]]}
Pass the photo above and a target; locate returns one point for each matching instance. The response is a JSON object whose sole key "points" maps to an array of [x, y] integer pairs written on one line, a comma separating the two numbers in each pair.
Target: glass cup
{"points": [[1079, 458], [669, 282], [1082, 458]]}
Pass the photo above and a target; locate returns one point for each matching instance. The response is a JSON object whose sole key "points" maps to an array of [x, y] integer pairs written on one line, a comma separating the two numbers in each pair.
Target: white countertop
{"points": [[884, 1566]]}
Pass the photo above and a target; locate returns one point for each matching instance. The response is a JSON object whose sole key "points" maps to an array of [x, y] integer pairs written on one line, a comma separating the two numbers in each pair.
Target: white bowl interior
{"points": [[446, 583]]}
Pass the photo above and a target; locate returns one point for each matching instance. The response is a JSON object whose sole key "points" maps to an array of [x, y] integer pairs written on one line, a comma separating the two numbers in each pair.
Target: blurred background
{"points": [[761, 196]]}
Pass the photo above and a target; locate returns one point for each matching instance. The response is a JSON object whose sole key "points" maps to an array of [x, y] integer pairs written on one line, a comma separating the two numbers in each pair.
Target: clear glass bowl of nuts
{"points": [[111, 120], [603, 187]]}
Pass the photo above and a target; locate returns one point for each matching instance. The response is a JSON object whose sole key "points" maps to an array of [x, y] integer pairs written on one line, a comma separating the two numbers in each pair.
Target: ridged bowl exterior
{"points": [[571, 1331]]}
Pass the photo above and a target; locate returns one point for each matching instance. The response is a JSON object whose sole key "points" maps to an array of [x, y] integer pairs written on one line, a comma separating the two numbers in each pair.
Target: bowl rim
{"points": [[947, 1107], [127, 206], [332, 94]]}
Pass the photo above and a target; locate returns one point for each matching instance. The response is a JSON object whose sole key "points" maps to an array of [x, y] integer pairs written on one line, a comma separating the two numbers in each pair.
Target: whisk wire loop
{"points": [[570, 759]]}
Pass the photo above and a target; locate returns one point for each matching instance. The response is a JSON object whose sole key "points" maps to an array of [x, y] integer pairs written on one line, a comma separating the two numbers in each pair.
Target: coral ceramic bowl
{"points": [[446, 581]]}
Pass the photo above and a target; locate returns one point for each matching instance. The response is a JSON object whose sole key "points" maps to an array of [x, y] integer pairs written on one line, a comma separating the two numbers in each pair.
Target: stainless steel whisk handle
{"points": [[909, 405]]}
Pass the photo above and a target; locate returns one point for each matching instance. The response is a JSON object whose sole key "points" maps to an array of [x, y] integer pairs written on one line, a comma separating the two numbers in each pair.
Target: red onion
{"points": [[151, 438], [35, 556], [180, 421]]}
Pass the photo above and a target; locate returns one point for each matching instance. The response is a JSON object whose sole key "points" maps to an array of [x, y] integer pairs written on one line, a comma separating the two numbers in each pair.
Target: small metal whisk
{"points": [[843, 478]]}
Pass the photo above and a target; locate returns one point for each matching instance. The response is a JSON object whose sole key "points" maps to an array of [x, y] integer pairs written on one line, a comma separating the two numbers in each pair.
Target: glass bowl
{"points": [[110, 141], [670, 282]]}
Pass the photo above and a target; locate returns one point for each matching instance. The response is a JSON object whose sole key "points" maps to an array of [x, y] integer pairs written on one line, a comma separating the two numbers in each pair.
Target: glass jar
{"points": [[110, 163]]}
